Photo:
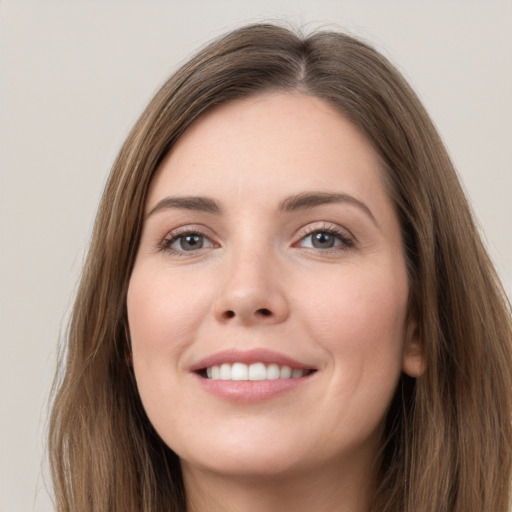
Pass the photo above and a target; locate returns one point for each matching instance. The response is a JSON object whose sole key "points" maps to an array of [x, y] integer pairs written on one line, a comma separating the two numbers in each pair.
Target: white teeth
{"points": [[255, 371], [225, 371], [285, 373], [273, 372], [296, 373], [239, 371]]}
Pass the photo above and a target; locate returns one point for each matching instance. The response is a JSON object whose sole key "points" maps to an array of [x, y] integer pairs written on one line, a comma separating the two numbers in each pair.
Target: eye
{"points": [[188, 241], [325, 239]]}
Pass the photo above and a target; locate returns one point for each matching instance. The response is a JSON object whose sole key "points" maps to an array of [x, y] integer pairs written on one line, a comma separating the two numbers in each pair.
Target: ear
{"points": [[413, 360]]}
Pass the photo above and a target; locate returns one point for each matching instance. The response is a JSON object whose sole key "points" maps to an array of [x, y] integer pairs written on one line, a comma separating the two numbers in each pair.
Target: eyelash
{"points": [[168, 241], [347, 242]]}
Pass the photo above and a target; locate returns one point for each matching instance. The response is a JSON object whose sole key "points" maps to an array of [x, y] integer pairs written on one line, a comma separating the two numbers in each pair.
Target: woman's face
{"points": [[268, 302]]}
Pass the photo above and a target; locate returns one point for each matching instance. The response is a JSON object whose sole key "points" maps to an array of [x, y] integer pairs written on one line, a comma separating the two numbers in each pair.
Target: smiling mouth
{"points": [[253, 372]]}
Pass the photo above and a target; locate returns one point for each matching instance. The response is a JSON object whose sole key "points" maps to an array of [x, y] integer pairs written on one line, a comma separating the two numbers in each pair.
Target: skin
{"points": [[259, 281]]}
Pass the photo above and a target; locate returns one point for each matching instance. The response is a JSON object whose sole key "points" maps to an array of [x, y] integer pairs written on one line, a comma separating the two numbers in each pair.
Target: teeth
{"points": [[273, 372], [239, 371], [225, 371], [285, 372], [297, 373], [255, 371]]}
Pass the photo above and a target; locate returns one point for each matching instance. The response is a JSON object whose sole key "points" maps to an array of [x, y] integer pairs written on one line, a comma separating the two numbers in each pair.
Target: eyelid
{"points": [[348, 240], [181, 231]]}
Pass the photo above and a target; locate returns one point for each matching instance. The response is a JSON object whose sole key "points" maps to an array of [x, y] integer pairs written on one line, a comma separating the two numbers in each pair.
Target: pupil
{"points": [[191, 242], [323, 240]]}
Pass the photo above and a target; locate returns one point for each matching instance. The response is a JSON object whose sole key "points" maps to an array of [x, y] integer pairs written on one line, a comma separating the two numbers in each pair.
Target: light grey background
{"points": [[76, 74]]}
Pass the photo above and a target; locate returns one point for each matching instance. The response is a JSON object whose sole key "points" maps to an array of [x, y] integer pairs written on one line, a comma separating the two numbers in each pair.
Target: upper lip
{"points": [[264, 356]]}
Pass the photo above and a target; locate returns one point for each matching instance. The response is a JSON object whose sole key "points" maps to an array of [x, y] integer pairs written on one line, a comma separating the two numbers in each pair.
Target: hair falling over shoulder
{"points": [[447, 445]]}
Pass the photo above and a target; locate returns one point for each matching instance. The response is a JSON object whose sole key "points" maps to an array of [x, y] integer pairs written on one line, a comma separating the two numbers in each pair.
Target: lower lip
{"points": [[250, 391]]}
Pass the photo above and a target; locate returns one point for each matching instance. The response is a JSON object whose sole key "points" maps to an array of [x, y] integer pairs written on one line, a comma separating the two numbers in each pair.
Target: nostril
{"points": [[259, 312]]}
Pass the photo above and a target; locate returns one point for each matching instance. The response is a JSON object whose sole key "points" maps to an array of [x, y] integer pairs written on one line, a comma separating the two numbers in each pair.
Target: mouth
{"points": [[251, 374], [258, 371]]}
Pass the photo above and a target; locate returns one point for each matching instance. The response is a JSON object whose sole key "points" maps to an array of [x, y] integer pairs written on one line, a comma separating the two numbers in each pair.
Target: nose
{"points": [[253, 292]]}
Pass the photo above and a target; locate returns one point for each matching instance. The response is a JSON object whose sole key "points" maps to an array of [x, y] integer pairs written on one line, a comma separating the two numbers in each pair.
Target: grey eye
{"points": [[322, 240], [190, 242]]}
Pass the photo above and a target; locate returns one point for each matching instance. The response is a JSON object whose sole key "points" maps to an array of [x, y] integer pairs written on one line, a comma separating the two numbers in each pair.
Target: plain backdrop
{"points": [[76, 74]]}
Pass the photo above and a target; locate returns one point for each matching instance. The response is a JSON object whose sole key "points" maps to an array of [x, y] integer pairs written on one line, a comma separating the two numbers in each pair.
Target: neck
{"points": [[322, 490]]}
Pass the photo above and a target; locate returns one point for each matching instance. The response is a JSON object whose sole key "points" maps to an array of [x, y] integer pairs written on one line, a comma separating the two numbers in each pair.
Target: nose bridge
{"points": [[251, 290]]}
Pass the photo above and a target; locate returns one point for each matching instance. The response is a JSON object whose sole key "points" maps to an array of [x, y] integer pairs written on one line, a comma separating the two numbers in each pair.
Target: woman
{"points": [[286, 304]]}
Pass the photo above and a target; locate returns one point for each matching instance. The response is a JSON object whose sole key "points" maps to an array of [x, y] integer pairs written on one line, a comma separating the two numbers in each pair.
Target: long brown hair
{"points": [[448, 437]]}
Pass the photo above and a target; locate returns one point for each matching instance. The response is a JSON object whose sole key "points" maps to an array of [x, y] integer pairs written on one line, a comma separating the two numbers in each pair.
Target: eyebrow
{"points": [[200, 204], [293, 203], [311, 200]]}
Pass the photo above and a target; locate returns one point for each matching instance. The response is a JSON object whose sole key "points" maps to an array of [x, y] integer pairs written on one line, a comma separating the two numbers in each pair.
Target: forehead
{"points": [[267, 144]]}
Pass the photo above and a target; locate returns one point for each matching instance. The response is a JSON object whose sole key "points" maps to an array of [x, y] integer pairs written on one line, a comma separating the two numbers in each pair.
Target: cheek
{"points": [[163, 316], [359, 320], [359, 305]]}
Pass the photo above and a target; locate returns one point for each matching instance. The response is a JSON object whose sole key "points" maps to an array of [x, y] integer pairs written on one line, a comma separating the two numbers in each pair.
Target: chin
{"points": [[249, 464], [247, 453]]}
